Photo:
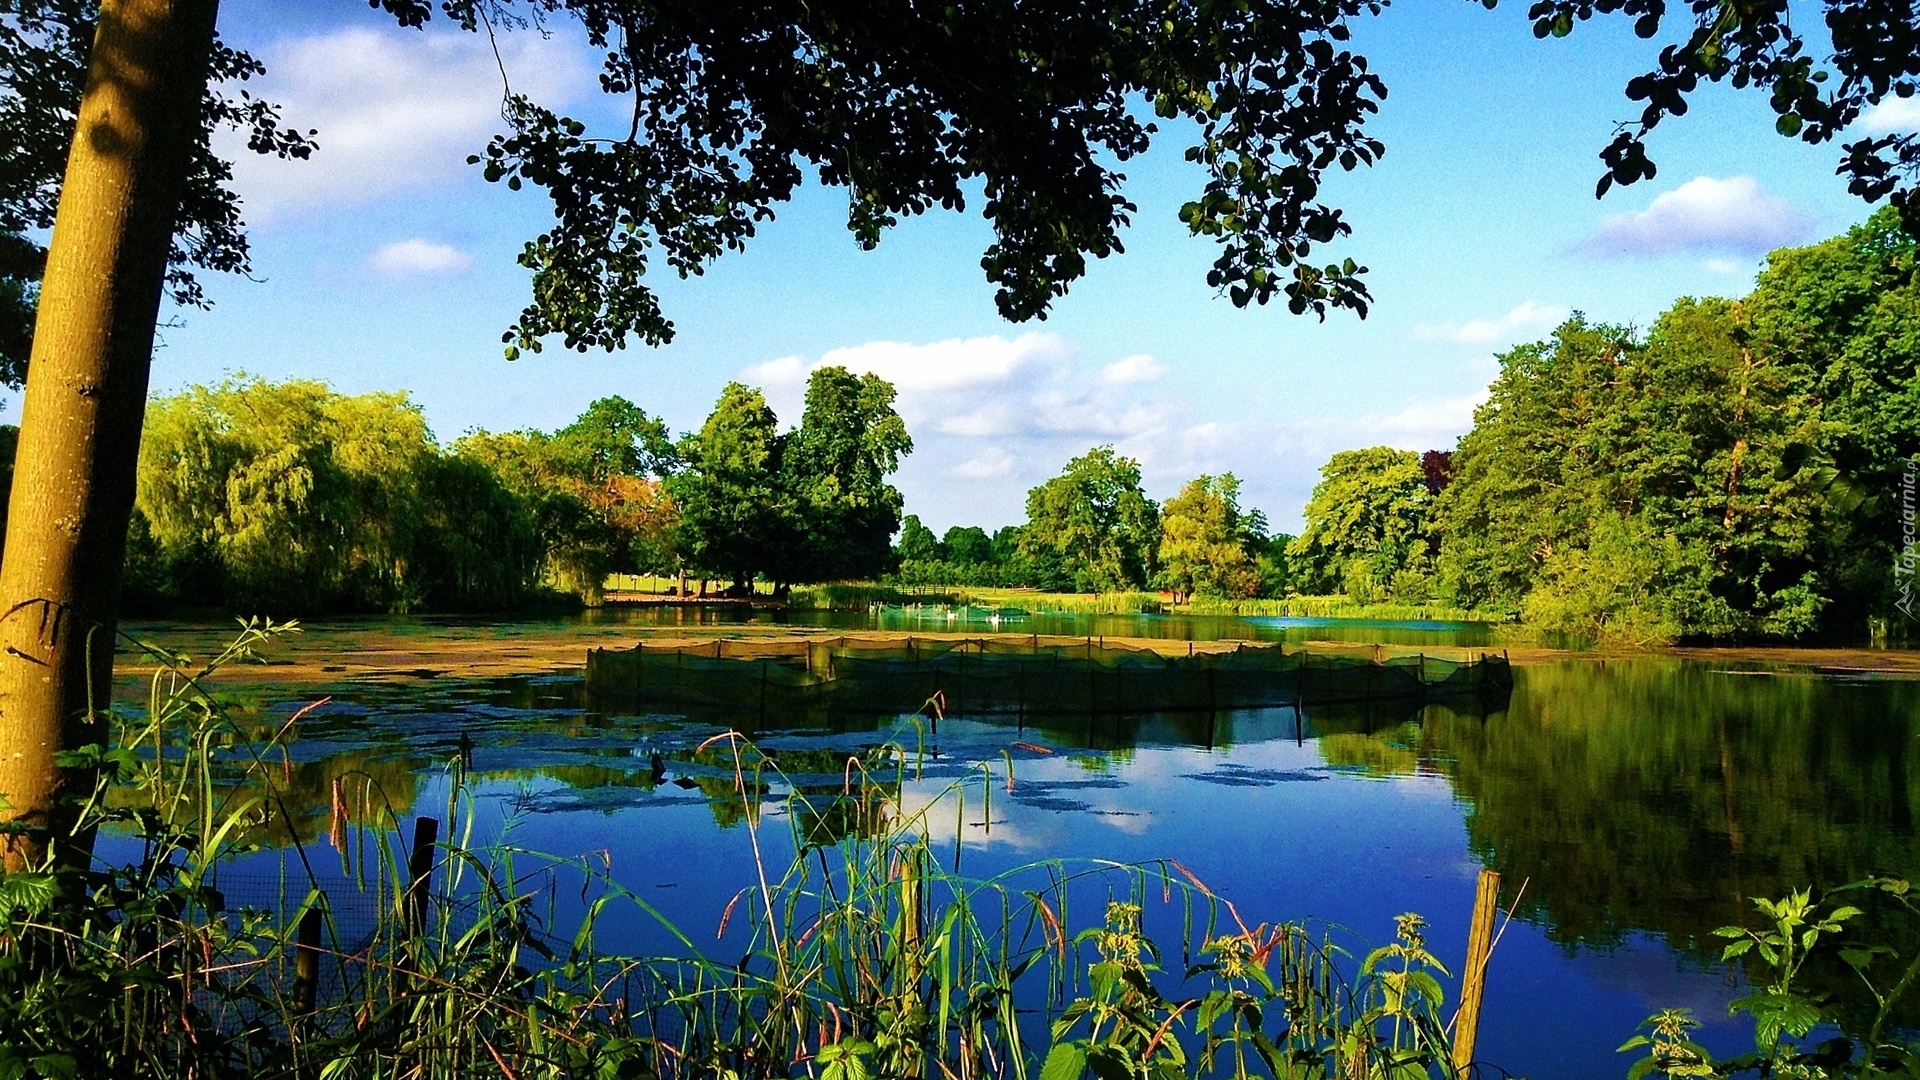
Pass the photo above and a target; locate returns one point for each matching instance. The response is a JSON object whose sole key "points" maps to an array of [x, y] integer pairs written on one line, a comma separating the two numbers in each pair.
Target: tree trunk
{"points": [[86, 396]]}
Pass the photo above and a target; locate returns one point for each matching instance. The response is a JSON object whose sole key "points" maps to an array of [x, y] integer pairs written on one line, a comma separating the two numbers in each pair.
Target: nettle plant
{"points": [[1790, 1020]]}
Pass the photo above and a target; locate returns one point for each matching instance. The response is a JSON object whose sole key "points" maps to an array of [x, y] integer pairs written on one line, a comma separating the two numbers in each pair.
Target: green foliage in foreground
{"points": [[1795, 1032], [888, 965]]}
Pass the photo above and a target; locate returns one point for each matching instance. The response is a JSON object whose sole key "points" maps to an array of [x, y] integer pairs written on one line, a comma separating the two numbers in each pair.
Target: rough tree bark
{"points": [[86, 395]]}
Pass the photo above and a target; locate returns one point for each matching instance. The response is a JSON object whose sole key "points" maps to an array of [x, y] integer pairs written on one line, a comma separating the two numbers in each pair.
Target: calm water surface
{"points": [[1642, 802]]}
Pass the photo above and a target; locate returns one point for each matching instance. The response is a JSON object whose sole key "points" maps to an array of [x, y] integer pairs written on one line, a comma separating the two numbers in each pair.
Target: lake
{"points": [[1642, 801]]}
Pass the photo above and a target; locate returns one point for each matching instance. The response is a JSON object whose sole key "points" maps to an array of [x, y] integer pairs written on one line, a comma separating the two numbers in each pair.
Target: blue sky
{"points": [[387, 263]]}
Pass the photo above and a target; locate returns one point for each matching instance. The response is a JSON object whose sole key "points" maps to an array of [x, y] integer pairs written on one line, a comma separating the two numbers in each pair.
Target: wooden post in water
{"points": [[1473, 978], [426, 832], [306, 964]]}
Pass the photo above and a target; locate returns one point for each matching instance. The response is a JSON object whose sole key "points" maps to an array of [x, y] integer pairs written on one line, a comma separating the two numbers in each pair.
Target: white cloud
{"points": [[417, 257], [992, 416], [1140, 368], [1529, 316], [1704, 214], [396, 111], [1424, 425], [995, 462], [1894, 116], [983, 387]]}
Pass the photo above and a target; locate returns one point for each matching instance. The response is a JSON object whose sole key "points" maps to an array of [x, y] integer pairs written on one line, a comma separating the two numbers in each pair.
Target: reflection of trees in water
{"points": [[1661, 796], [1652, 795], [296, 797], [1393, 751]]}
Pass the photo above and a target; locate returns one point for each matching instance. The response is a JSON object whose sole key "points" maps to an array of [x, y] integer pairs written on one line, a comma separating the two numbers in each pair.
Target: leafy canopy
{"points": [[1732, 473], [593, 491], [1092, 528], [290, 496], [732, 505], [45, 46], [1034, 107], [1875, 60], [836, 467], [1366, 525], [1207, 545]]}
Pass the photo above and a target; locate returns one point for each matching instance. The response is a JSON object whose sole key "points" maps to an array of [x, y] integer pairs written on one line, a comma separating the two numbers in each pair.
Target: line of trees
{"points": [[1735, 471], [290, 497], [1093, 529]]}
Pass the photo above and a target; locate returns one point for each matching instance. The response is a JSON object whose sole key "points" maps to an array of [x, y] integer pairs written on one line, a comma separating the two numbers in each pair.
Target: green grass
{"points": [[854, 594], [862, 594], [1336, 607]]}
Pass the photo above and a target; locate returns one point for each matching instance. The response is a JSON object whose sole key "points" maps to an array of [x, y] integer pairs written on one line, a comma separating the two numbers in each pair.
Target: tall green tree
{"points": [[734, 509], [917, 542], [1842, 319], [967, 545], [727, 104], [1205, 540], [286, 497], [842, 512], [1740, 458], [1092, 528], [1366, 527], [593, 490]]}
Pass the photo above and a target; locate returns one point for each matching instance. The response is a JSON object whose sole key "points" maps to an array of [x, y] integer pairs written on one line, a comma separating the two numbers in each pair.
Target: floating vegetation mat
{"points": [[1026, 674]]}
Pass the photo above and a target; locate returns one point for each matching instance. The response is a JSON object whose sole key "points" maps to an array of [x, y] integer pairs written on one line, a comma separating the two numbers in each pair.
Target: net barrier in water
{"points": [[1026, 674]]}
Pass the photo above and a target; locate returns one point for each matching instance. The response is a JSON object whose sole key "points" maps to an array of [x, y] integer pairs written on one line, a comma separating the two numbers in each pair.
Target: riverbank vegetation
{"points": [[1094, 530], [292, 497], [1732, 472]]}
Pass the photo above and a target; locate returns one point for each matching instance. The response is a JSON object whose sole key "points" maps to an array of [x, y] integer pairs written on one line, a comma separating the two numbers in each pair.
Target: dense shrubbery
{"points": [[292, 497], [1733, 472]]}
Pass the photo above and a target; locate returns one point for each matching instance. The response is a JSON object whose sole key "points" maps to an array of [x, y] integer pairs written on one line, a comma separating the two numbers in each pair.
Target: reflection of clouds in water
{"points": [[940, 810], [1040, 814], [1645, 968]]}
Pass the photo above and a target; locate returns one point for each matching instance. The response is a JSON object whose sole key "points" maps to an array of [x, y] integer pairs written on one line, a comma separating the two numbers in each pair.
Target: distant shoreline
{"points": [[330, 654]]}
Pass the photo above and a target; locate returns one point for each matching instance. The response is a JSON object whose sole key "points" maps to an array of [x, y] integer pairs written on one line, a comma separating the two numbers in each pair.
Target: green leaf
{"points": [[1066, 1061], [1109, 1063], [28, 891]]}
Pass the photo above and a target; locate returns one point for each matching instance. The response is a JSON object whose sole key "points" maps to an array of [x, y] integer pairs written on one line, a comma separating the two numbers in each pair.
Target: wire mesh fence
{"points": [[1025, 674]]}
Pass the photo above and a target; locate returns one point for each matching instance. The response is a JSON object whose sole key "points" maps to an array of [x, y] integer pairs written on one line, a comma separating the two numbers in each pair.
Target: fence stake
{"points": [[426, 832], [306, 963], [1473, 979]]}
